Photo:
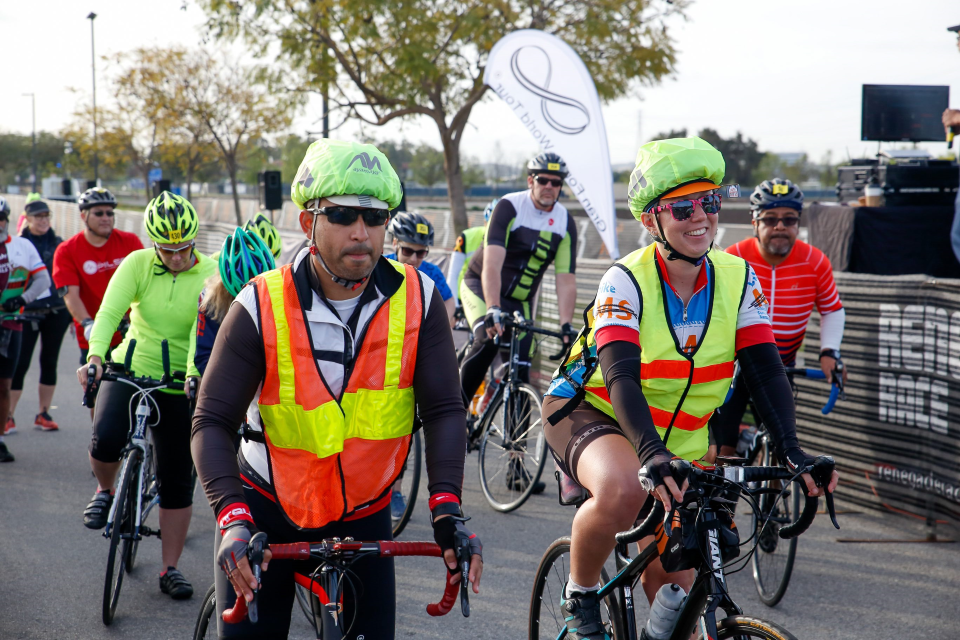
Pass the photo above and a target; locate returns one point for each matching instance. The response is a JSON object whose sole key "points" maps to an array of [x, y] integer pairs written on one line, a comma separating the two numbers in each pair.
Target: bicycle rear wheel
{"points": [[206, 626], [546, 619], [513, 448], [750, 627], [409, 483], [121, 535], [773, 558]]}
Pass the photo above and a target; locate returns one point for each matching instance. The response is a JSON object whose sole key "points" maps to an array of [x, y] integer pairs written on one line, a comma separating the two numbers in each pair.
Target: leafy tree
{"points": [[672, 133], [425, 58], [291, 155], [427, 165], [742, 156]]}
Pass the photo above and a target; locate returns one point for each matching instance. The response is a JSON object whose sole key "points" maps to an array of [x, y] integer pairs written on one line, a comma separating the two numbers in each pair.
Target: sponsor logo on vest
{"points": [[370, 165], [716, 560], [921, 339]]}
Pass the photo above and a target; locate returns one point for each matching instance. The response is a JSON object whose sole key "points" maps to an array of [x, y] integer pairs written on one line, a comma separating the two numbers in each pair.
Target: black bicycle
{"points": [[325, 585], [705, 518], [509, 430], [137, 490], [773, 560]]}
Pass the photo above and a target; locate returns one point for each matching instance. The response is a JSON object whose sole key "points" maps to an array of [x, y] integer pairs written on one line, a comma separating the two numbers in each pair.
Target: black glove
{"points": [[656, 469], [14, 303], [794, 459], [492, 318], [450, 533], [567, 333]]}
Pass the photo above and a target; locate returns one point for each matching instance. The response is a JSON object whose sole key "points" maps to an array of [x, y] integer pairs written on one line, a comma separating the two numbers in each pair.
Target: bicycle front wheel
{"points": [[546, 618], [773, 558], [148, 501], [513, 448], [750, 627], [409, 483], [206, 626], [121, 535]]}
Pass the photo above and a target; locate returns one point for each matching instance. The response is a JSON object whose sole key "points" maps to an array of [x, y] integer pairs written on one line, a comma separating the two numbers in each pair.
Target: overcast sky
{"points": [[787, 74]]}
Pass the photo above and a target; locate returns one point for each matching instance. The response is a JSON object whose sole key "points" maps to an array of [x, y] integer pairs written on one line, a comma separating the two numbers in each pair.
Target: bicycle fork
{"points": [[327, 617]]}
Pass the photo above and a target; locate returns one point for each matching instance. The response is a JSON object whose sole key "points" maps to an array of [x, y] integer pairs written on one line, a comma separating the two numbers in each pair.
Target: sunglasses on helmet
{"points": [[553, 182], [683, 209], [348, 215]]}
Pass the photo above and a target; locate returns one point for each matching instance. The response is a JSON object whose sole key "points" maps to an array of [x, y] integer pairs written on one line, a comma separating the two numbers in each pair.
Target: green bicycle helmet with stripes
{"points": [[261, 225], [171, 219], [243, 256]]}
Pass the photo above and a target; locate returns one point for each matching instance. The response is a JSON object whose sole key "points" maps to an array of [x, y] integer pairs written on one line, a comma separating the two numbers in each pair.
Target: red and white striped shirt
{"points": [[792, 288]]}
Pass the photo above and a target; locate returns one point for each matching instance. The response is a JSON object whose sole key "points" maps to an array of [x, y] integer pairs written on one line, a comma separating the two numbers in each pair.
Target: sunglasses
{"points": [[683, 209], [40, 215], [102, 213], [348, 215], [553, 182], [408, 252], [788, 221], [173, 252]]}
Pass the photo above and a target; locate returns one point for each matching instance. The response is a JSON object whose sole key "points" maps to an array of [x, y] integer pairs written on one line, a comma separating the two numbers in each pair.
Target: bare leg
{"points": [[14, 400], [173, 524], [46, 397], [654, 577], [608, 469], [105, 472]]}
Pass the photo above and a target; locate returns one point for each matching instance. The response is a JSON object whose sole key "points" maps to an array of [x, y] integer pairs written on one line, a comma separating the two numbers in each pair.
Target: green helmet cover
{"points": [[336, 168], [32, 197], [664, 165], [261, 225], [243, 256], [171, 219]]}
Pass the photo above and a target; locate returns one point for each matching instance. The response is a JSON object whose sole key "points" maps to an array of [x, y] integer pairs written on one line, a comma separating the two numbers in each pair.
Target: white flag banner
{"points": [[547, 86]]}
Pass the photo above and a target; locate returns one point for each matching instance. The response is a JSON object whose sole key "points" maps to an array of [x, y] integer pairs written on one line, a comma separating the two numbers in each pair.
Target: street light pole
{"points": [[93, 65], [33, 138]]}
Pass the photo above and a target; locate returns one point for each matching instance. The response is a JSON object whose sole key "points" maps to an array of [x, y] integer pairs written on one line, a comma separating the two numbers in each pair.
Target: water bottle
{"points": [[664, 612], [746, 442], [488, 394]]}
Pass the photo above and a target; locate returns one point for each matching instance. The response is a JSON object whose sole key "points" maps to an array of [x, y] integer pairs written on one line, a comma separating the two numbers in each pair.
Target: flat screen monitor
{"points": [[910, 113]]}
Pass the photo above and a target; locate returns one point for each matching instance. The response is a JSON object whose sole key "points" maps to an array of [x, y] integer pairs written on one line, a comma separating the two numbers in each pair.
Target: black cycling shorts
{"points": [[8, 364], [171, 438], [372, 611], [570, 436]]}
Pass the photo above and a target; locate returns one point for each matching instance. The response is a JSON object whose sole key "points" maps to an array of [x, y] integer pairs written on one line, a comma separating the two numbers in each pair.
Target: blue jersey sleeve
{"points": [[207, 329], [437, 276]]}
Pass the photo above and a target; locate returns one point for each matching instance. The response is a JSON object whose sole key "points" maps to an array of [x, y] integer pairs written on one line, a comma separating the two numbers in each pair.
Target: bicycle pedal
{"points": [[147, 531]]}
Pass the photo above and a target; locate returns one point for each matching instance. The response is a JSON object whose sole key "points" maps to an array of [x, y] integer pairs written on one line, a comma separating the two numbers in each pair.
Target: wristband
{"points": [[86, 322], [833, 353], [232, 515]]}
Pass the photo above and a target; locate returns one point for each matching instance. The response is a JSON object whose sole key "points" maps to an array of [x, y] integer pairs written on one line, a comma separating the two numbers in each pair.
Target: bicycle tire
{"points": [[147, 504], [773, 558], [749, 627], [202, 629], [492, 443], [546, 585], [410, 483], [122, 524]]}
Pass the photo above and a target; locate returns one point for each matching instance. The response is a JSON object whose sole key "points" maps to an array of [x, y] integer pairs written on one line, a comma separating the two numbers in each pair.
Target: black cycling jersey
{"points": [[533, 239]]}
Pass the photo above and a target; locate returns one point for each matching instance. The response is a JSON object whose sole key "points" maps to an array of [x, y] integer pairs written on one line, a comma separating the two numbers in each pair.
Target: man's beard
{"points": [[97, 233], [4, 234], [778, 246]]}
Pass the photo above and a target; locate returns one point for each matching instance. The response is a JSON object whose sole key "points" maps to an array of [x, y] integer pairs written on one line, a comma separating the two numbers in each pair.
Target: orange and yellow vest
{"points": [[330, 458], [682, 388]]}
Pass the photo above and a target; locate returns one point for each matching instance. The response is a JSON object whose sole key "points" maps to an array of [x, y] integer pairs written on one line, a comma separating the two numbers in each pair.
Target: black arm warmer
{"points": [[770, 389], [620, 364]]}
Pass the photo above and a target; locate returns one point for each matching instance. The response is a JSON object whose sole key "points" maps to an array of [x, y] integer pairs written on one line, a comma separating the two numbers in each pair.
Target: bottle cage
{"points": [[590, 361]]}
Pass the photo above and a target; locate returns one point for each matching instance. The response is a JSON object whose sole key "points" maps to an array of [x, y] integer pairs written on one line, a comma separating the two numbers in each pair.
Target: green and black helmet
{"points": [[261, 225], [171, 219], [243, 256]]}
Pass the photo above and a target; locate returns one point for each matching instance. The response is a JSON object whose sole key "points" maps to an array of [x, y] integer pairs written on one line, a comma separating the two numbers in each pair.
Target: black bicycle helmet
{"points": [[548, 162], [411, 227], [778, 192], [4, 206], [95, 196]]}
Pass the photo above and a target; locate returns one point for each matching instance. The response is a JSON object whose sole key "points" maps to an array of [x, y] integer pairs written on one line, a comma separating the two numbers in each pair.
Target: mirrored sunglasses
{"points": [[683, 209]]}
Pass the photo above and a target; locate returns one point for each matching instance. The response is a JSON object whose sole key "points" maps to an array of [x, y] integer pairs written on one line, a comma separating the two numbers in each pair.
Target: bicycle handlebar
{"points": [[517, 320], [816, 374], [383, 549], [821, 469], [109, 373]]}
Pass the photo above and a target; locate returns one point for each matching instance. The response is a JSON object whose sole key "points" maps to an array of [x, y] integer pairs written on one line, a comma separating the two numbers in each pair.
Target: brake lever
{"points": [[462, 546], [92, 385], [821, 472], [255, 557]]}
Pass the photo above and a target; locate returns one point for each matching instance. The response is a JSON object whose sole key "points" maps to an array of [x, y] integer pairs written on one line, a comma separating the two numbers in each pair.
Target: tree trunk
{"points": [[455, 191], [232, 169], [146, 183]]}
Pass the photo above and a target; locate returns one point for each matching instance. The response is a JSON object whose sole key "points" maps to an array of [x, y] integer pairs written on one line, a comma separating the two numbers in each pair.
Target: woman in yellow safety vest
{"points": [[655, 359]]}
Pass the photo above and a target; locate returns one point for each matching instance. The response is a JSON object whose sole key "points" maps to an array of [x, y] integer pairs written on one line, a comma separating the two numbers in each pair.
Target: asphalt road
{"points": [[51, 567]]}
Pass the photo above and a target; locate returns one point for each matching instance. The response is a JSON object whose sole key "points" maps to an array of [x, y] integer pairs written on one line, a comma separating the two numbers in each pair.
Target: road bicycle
{"points": [[137, 490], [705, 518], [508, 433], [325, 585], [772, 563]]}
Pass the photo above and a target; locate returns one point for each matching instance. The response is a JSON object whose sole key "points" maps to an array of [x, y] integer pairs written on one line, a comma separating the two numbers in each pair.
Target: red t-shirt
{"points": [[792, 288], [78, 263]]}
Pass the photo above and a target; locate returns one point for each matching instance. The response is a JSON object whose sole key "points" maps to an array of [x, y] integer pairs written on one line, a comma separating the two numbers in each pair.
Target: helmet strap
{"points": [[673, 254]]}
